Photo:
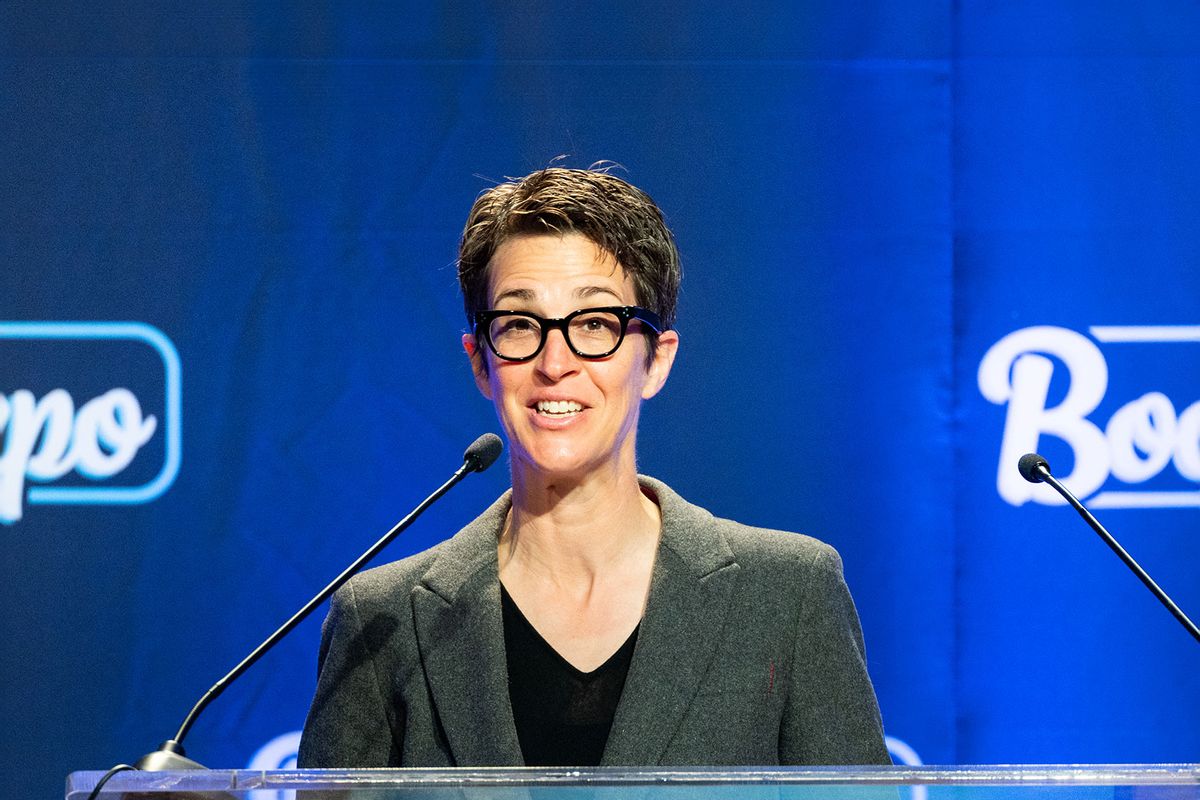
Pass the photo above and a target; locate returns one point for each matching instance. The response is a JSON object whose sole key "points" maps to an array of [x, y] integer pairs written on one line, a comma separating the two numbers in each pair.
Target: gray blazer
{"points": [[749, 653]]}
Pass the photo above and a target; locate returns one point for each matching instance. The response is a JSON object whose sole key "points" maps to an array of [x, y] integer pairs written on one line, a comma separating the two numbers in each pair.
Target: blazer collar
{"points": [[460, 634], [693, 579]]}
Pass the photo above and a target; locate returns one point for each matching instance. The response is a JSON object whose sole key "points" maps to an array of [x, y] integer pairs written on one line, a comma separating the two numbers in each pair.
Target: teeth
{"points": [[558, 407]]}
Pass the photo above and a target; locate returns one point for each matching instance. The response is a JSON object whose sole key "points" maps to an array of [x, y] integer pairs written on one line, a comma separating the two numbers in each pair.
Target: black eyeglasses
{"points": [[590, 332]]}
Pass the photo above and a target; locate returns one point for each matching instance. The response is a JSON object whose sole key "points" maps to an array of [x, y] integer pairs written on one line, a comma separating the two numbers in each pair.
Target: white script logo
{"points": [[46, 439], [1137, 443]]}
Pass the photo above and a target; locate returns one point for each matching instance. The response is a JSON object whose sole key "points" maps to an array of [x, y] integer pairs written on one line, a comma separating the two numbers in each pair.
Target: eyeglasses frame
{"points": [[625, 314]]}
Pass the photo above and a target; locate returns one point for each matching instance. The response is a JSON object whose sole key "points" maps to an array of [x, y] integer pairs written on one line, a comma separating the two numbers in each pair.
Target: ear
{"points": [[478, 368], [660, 367]]}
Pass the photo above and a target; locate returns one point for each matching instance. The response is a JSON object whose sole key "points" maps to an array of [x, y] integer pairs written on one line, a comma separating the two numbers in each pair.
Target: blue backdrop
{"points": [[918, 238]]}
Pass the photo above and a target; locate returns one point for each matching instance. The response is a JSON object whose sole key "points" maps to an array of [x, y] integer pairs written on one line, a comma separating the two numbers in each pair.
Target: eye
{"points": [[514, 326], [599, 325]]}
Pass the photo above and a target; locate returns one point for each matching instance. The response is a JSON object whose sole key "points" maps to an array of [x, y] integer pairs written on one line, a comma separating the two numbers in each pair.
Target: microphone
{"points": [[483, 452], [1031, 466], [170, 755], [1036, 469]]}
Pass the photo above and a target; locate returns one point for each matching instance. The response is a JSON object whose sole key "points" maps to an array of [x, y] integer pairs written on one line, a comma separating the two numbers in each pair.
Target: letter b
{"points": [[1012, 372]]}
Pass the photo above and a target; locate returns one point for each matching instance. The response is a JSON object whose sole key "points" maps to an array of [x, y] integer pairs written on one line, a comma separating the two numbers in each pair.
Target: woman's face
{"points": [[566, 416]]}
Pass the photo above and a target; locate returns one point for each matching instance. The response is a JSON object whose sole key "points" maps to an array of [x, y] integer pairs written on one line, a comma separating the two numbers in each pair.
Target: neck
{"points": [[570, 531]]}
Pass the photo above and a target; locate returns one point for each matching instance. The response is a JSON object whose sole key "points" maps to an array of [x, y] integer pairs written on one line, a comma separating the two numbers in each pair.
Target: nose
{"points": [[556, 360]]}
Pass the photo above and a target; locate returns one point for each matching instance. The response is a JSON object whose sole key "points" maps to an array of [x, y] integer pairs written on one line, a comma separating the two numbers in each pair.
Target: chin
{"points": [[560, 462], [561, 466]]}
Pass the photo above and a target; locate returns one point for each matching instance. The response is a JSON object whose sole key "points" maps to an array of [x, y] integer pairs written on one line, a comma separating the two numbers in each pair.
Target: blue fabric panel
{"points": [[868, 198], [1075, 207]]}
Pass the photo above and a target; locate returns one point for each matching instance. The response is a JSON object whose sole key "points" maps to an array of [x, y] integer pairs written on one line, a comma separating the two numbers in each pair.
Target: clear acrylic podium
{"points": [[1064, 782]]}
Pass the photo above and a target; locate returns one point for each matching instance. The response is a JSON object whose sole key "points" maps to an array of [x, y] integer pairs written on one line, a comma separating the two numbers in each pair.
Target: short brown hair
{"points": [[615, 215]]}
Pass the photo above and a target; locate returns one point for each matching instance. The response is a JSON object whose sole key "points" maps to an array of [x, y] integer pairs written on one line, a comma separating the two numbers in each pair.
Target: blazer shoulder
{"points": [[442, 569], [711, 543], [390, 582], [771, 548]]}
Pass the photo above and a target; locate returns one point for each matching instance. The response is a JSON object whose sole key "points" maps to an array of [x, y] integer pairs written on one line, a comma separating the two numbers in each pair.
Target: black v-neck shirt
{"points": [[563, 716]]}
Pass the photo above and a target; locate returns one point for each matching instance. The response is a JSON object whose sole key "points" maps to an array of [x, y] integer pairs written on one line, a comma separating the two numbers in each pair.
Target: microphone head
{"points": [[1029, 467], [483, 452]]}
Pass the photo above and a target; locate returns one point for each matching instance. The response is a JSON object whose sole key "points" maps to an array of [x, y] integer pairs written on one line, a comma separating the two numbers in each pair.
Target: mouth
{"points": [[558, 409]]}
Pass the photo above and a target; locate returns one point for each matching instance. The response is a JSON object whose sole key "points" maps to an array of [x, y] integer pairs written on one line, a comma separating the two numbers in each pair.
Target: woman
{"points": [[590, 616]]}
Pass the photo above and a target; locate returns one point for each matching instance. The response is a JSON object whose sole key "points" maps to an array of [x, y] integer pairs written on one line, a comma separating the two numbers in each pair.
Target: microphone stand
{"points": [[1036, 469], [170, 754]]}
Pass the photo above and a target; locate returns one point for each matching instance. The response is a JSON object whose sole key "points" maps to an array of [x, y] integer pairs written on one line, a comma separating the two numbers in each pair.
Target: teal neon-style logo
{"points": [[46, 438]]}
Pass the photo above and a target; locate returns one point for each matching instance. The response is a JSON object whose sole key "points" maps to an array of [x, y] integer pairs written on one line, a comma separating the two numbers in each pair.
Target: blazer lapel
{"points": [[460, 635], [694, 576]]}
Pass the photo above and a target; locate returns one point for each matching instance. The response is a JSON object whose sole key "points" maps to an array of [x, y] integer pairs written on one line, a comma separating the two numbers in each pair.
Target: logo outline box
{"points": [[172, 409]]}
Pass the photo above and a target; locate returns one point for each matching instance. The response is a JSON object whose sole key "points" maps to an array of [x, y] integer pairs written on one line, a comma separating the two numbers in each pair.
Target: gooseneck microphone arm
{"points": [[170, 754], [1036, 469]]}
